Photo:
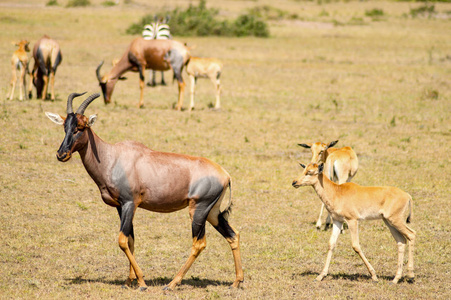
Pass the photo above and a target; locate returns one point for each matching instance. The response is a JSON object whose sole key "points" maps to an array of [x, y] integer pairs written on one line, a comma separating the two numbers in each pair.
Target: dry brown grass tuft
{"points": [[382, 88]]}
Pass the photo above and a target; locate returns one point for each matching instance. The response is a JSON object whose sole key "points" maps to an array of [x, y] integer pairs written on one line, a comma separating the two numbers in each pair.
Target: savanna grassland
{"points": [[379, 84]]}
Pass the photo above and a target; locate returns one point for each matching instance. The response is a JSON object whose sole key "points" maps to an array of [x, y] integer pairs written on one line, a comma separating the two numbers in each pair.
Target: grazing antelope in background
{"points": [[341, 165], [144, 54], [47, 57], [158, 30], [350, 203], [206, 68], [130, 175], [19, 61]]}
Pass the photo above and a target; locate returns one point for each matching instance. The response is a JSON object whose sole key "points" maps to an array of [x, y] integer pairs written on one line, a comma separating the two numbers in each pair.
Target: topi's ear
{"points": [[302, 165], [305, 145], [331, 144], [92, 119], [55, 118], [320, 168]]}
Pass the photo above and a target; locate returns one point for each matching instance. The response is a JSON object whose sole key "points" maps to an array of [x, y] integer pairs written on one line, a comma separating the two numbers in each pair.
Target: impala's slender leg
{"points": [[191, 93], [354, 230], [318, 223], [403, 233], [23, 77], [199, 244], [332, 243], [217, 83], [13, 81], [126, 240]]}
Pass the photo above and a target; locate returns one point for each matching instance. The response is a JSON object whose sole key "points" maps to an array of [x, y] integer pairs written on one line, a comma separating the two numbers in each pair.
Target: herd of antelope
{"points": [[130, 175]]}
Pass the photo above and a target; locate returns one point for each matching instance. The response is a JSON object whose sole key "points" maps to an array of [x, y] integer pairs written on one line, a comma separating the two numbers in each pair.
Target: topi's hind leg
{"points": [[233, 238]]}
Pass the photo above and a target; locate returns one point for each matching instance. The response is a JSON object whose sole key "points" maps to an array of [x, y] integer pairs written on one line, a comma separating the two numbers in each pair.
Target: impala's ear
{"points": [[55, 118], [305, 145], [92, 119], [302, 165], [320, 168], [331, 144]]}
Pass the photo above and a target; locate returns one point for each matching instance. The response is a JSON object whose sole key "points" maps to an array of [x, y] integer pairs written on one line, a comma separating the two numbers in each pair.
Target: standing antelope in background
{"points": [[130, 175], [341, 165], [206, 68], [47, 57], [19, 61], [158, 30], [350, 203], [144, 54]]}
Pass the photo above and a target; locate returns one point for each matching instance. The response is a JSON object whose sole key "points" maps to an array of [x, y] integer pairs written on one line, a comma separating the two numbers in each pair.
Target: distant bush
{"points": [[202, 21], [52, 3], [423, 11], [108, 3], [76, 3], [375, 12]]}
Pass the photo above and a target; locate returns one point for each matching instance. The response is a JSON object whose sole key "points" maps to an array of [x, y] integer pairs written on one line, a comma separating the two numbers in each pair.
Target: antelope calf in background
{"points": [[19, 61], [206, 68], [130, 175], [340, 165], [350, 203], [47, 57]]}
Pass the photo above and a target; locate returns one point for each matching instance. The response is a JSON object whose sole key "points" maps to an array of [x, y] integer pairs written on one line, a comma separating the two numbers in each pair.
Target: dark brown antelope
{"points": [[340, 165], [47, 57], [142, 54], [130, 175], [19, 61], [351, 203]]}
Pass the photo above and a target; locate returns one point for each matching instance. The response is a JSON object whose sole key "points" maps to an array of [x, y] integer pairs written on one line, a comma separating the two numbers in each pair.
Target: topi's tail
{"points": [[228, 210]]}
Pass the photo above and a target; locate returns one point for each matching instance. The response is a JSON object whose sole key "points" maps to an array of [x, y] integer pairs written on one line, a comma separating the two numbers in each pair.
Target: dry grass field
{"points": [[381, 86]]}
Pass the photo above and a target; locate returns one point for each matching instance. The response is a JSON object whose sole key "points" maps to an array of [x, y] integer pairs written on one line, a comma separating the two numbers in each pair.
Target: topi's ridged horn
{"points": [[98, 71], [71, 97], [81, 109]]}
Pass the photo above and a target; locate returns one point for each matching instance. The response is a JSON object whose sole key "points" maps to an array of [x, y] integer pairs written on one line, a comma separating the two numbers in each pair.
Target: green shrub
{"points": [[76, 3], [246, 25], [202, 21], [424, 11], [108, 3], [52, 3], [375, 12]]}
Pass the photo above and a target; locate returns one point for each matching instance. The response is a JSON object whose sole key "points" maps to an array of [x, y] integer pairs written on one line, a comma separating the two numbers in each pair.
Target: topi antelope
{"points": [[340, 166], [144, 54], [19, 61], [130, 175], [207, 68], [47, 57], [350, 203]]}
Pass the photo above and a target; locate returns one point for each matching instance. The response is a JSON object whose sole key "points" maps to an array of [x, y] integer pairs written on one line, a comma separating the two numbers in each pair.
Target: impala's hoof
{"points": [[319, 278], [167, 288], [142, 288]]}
